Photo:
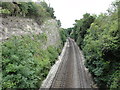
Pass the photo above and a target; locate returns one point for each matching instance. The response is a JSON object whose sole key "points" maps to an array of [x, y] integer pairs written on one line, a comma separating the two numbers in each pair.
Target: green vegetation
{"points": [[5, 11], [38, 11], [99, 38], [24, 63], [102, 48], [80, 28], [49, 9], [63, 35], [59, 23]]}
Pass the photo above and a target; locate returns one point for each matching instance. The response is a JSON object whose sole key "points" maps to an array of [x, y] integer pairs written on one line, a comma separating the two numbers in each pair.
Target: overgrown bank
{"points": [[99, 38], [101, 48], [24, 63]]}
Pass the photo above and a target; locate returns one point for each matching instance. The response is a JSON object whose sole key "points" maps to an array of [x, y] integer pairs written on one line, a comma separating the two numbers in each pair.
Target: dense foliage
{"points": [[80, 28], [40, 11], [99, 38], [24, 63], [102, 48], [63, 35]]}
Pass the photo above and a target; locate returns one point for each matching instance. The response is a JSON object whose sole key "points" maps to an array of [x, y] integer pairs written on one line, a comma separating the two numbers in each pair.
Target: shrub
{"points": [[24, 63]]}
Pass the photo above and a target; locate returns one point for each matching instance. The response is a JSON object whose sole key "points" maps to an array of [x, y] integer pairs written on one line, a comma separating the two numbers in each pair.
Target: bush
{"points": [[63, 36], [24, 63], [80, 28], [101, 48]]}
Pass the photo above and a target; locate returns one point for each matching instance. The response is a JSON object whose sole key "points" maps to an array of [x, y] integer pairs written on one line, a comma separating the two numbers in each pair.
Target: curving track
{"points": [[71, 72]]}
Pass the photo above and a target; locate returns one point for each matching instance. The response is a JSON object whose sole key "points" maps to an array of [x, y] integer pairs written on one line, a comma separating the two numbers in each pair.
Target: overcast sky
{"points": [[67, 11]]}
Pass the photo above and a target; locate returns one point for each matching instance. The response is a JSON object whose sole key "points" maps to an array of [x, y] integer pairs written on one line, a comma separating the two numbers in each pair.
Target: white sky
{"points": [[67, 11]]}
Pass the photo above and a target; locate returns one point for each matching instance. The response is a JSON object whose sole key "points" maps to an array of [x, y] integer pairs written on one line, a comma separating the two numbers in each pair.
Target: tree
{"points": [[49, 9], [59, 23], [81, 26], [24, 8]]}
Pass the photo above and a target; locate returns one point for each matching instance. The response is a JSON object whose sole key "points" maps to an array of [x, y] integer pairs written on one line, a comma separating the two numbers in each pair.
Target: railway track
{"points": [[71, 72]]}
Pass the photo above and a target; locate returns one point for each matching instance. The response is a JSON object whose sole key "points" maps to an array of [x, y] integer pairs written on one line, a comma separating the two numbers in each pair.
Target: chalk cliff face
{"points": [[16, 26], [51, 29]]}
